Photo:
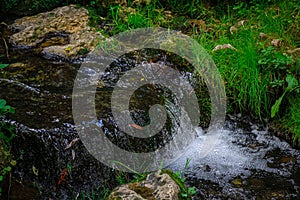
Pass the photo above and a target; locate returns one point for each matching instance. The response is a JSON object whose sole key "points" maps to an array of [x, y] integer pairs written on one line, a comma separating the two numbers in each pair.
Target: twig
{"points": [[5, 44], [6, 47], [9, 186]]}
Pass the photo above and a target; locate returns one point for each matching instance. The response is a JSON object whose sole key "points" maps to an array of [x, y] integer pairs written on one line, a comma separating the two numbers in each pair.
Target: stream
{"points": [[248, 162]]}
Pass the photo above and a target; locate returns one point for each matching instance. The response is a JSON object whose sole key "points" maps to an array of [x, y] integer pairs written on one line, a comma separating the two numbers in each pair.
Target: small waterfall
{"points": [[240, 155]]}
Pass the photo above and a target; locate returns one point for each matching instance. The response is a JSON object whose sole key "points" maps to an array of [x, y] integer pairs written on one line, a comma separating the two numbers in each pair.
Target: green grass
{"points": [[291, 120], [94, 195], [135, 16], [254, 74], [245, 88]]}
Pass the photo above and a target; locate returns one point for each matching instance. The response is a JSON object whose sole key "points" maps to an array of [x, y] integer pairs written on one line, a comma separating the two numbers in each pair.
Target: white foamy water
{"points": [[237, 153]]}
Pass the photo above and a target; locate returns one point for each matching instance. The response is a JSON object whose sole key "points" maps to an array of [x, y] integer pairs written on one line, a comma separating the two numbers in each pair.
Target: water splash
{"points": [[240, 154]]}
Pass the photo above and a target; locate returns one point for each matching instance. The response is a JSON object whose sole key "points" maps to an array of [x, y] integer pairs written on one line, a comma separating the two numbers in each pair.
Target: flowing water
{"points": [[248, 162]]}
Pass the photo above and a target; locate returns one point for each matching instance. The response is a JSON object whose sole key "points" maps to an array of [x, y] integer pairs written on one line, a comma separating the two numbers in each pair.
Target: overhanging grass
{"points": [[254, 73], [246, 89], [291, 120]]}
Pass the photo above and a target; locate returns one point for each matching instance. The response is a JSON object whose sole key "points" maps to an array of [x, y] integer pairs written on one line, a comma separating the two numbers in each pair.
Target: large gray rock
{"points": [[156, 186], [62, 32]]}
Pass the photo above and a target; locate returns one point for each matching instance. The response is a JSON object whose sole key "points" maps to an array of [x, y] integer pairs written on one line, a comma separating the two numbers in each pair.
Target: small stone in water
{"points": [[237, 182]]}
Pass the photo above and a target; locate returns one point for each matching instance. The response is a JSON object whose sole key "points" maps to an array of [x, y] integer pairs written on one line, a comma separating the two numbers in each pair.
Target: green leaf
{"points": [[68, 48], [184, 195], [5, 109], [3, 66], [2, 103], [275, 107], [292, 82], [7, 169], [35, 170], [13, 162], [192, 190], [12, 110], [69, 167], [1, 178]]}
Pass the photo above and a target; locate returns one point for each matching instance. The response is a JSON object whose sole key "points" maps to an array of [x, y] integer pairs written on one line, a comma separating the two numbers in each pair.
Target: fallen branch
{"points": [[5, 44]]}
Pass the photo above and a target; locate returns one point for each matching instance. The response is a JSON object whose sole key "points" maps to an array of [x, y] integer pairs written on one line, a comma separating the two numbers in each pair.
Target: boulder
{"points": [[63, 32], [156, 186]]}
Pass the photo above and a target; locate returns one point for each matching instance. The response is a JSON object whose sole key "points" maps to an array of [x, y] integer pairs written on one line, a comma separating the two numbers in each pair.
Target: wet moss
{"points": [[144, 191]]}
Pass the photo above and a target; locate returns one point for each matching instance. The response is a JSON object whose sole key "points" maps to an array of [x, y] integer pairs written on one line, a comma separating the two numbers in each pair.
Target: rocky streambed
{"points": [[52, 162]]}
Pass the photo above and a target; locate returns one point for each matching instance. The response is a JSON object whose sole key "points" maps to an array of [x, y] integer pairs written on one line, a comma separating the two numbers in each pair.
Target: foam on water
{"points": [[237, 153]]}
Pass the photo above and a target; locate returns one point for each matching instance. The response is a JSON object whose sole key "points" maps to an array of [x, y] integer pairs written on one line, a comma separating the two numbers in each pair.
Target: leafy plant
{"points": [[273, 60], [3, 66], [293, 85], [6, 135], [9, 4], [179, 178], [291, 120], [98, 193]]}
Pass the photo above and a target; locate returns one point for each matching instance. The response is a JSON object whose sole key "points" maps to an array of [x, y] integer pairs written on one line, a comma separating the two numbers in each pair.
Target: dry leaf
{"points": [[197, 23], [224, 46], [241, 23], [62, 176], [135, 126], [72, 143], [275, 42], [73, 154], [233, 29], [262, 35], [294, 51], [35, 170]]}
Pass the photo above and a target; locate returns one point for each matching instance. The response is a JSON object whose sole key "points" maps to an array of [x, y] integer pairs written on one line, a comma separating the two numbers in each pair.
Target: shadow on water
{"points": [[248, 163]]}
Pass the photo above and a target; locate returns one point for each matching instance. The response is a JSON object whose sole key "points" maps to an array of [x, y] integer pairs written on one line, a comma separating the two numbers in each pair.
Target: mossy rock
{"points": [[157, 185]]}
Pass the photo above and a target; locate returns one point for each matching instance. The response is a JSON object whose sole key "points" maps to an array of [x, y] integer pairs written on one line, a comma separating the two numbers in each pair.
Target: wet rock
{"points": [[255, 183], [156, 186], [62, 32], [287, 159], [20, 191], [237, 182]]}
